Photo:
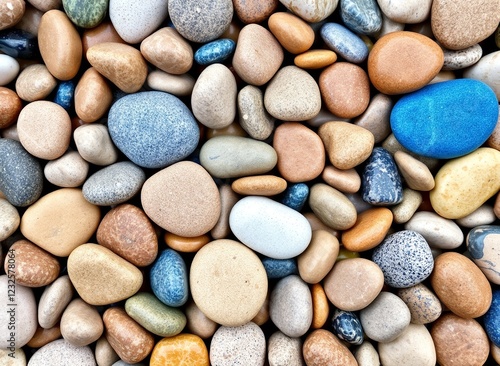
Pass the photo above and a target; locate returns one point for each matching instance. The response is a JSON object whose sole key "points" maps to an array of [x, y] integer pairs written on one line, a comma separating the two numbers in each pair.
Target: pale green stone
{"points": [[86, 13]]}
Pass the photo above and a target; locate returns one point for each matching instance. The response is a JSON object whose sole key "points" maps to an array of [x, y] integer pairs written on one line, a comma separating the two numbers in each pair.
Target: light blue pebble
{"points": [[279, 268], [492, 319], [214, 52], [65, 93], [346, 326], [361, 16], [168, 277], [295, 196], [344, 42]]}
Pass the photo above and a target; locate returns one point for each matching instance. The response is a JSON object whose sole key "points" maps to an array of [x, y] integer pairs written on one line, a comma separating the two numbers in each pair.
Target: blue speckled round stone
{"points": [[445, 120], [380, 182], [344, 42], [346, 326], [295, 196], [492, 319], [214, 52], [65, 93], [153, 129], [361, 16], [279, 268], [18, 43], [168, 277], [21, 176]]}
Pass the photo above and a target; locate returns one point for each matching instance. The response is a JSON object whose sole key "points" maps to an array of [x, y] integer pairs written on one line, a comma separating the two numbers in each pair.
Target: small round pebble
{"points": [[35, 83], [346, 326], [9, 68], [69, 171], [332, 207], [295, 196], [214, 52], [253, 117], [321, 347], [319, 257]]}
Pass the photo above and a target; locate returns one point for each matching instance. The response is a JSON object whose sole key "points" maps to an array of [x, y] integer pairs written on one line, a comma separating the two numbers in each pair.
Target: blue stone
{"points": [[65, 93], [295, 196], [21, 176], [168, 277], [483, 245], [346, 326], [214, 52], [344, 42], [405, 259], [361, 16], [492, 319], [279, 268], [18, 43], [381, 182], [153, 129], [445, 120]]}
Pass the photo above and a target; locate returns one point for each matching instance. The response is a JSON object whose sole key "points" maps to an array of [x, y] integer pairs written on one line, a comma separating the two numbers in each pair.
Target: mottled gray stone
{"points": [[361, 16]]}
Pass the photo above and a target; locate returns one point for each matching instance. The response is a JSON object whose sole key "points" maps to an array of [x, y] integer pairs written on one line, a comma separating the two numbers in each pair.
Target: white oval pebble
{"points": [[178, 85], [69, 171], [62, 353], [9, 219], [367, 355], [487, 70], [54, 300], [9, 69], [283, 350], [439, 232], [94, 144], [456, 60], [484, 215]]}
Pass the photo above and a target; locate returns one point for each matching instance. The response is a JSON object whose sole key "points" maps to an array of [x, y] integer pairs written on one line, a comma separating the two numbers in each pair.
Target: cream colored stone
{"points": [[253, 117], [68, 171], [54, 300], [178, 85], [484, 215], [347, 181], [198, 323], [439, 232], [404, 211], [94, 144], [81, 324], [367, 355], [311, 11], [392, 145], [416, 174], [35, 82], [332, 207], [9, 219], [105, 355]]}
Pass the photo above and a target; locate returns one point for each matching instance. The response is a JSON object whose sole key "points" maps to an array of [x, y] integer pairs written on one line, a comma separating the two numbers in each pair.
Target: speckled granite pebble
{"points": [[344, 42], [456, 60], [283, 350], [60, 352], [361, 16], [169, 278], [423, 304], [88, 14]]}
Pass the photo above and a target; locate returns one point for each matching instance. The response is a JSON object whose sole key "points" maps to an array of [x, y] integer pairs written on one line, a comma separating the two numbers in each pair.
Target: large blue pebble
{"points": [[344, 42], [492, 319], [346, 326], [361, 16], [279, 268], [65, 94], [168, 277], [295, 196], [153, 129], [214, 52], [445, 120]]}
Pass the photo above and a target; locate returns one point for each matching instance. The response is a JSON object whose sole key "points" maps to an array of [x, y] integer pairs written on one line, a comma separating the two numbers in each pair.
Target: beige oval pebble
{"points": [[323, 348], [44, 225], [367, 355], [68, 171], [53, 301], [228, 199], [253, 117], [198, 323], [93, 96], [439, 232], [94, 144], [9, 219], [60, 44], [44, 129], [11, 12], [332, 207], [484, 215], [347, 181], [35, 82], [81, 324], [295, 35], [225, 269], [319, 257], [424, 306], [416, 174], [178, 85], [283, 350], [104, 353], [405, 210], [315, 59], [259, 185], [370, 229], [376, 117], [100, 276]]}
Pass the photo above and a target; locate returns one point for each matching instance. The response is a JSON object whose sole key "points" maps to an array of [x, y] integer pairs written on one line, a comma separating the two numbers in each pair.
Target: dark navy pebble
{"points": [[18, 43], [279, 268], [168, 277], [346, 326], [215, 52], [295, 196], [65, 94]]}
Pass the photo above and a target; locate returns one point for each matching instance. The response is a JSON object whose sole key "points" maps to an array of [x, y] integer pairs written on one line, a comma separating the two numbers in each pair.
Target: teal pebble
{"points": [[168, 278], [214, 52]]}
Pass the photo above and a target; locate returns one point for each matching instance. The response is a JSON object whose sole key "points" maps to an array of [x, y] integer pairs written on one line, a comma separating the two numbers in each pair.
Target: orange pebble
{"points": [[43, 336], [315, 59], [183, 349], [320, 306], [260, 185], [185, 244], [370, 229]]}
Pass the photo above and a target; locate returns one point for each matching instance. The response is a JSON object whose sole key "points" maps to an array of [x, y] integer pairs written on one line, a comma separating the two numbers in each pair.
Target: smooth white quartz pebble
{"points": [[9, 69]]}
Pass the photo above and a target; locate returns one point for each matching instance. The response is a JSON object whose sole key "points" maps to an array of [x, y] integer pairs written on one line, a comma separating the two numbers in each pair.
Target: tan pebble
{"points": [[168, 51], [198, 323], [253, 117], [424, 305], [33, 267], [367, 355], [484, 215], [46, 5], [43, 336], [323, 348], [105, 355], [263, 315], [234, 129], [122, 64], [259, 185], [321, 307], [370, 229], [11, 12], [353, 273], [43, 224], [104, 32], [258, 55], [493, 141], [9, 219], [186, 245], [317, 224], [459, 341], [311, 11], [416, 174], [347, 145], [10, 106], [318, 259], [345, 89], [460, 285], [495, 352], [294, 34], [68, 171], [404, 211], [228, 199], [53, 301], [35, 82], [94, 144], [130, 341], [443, 76], [376, 117], [347, 181], [178, 85], [30, 20], [392, 145], [81, 324], [254, 11], [284, 350], [60, 45], [315, 59], [301, 155], [389, 26], [93, 96]]}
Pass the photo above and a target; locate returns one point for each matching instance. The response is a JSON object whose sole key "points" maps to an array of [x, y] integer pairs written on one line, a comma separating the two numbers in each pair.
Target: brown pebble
{"points": [[319, 257], [315, 59], [347, 181], [93, 96], [254, 11], [294, 34], [323, 348], [370, 229], [30, 20], [263, 315], [186, 245], [259, 185], [11, 12], [198, 323], [321, 307], [35, 82], [43, 336], [228, 199], [104, 32], [10, 106]]}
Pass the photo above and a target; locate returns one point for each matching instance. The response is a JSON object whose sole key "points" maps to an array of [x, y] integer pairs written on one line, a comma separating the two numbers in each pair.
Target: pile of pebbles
{"points": [[259, 182]]}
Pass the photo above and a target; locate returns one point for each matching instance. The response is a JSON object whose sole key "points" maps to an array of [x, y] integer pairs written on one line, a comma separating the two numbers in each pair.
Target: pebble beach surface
{"points": [[249, 182]]}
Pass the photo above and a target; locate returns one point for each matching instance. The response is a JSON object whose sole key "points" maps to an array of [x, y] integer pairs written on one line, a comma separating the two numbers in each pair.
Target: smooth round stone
{"points": [[313, 11], [385, 318], [479, 114], [228, 198], [131, 342], [462, 24], [12, 12], [260, 185], [361, 16], [345, 43], [460, 285], [198, 323], [169, 279], [33, 267], [104, 32], [19, 44], [10, 106], [101, 277], [415, 173], [155, 316], [176, 350], [65, 94], [323, 348], [53, 301], [60, 353], [492, 319], [94, 144], [319, 257], [415, 60], [459, 341], [404, 211], [43, 224], [279, 268], [359, 273], [295, 196], [315, 59], [456, 60], [376, 117], [178, 85], [321, 306], [93, 96], [484, 215], [486, 70], [479, 180], [121, 64], [200, 21], [366, 355], [81, 324], [244, 281], [18, 313], [347, 327], [104, 353], [258, 55], [60, 44], [370, 229], [9, 219], [16, 358], [86, 15], [184, 244], [411, 12], [135, 21], [35, 82], [253, 116], [405, 259], [269, 227], [43, 336], [482, 244], [423, 304], [254, 11], [294, 34], [439, 232], [127, 231], [214, 52], [284, 350]]}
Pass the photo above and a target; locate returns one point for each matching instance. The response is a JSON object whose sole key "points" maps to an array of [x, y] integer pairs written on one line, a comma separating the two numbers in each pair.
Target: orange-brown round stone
{"points": [[93, 96], [370, 229], [294, 34], [323, 348], [315, 59], [254, 11], [184, 244], [183, 349], [10, 106], [43, 336]]}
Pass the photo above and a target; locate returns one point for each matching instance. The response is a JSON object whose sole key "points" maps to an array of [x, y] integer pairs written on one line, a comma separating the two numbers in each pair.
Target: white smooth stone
{"points": [[94, 144], [9, 358], [406, 11], [68, 171], [439, 232], [487, 70], [367, 355], [62, 353], [484, 215], [9, 69], [54, 300], [9, 219]]}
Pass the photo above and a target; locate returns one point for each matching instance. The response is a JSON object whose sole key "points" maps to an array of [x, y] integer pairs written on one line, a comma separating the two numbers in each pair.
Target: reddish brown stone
{"points": [[323, 348], [10, 106], [254, 11]]}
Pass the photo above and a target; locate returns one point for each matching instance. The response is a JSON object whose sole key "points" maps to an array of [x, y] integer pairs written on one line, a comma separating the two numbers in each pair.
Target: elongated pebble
{"points": [[370, 229], [315, 59], [484, 215], [319, 257], [228, 198], [259, 185], [253, 117], [405, 210], [439, 232], [214, 52], [344, 42], [178, 85], [53, 301]]}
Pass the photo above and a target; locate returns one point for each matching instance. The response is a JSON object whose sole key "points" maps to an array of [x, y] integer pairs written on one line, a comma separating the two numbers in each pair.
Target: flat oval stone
{"points": [[410, 12], [460, 285], [214, 52], [244, 280], [319, 257], [321, 347], [19, 43], [344, 42], [81, 324], [9, 219], [35, 82], [86, 15], [315, 59], [43, 224], [253, 116], [492, 319], [456, 60], [295, 35], [60, 352], [174, 350], [169, 279], [10, 105], [94, 144], [54, 299], [415, 173], [60, 44], [155, 316], [347, 327], [283, 350], [12, 12], [439, 232], [178, 85], [93, 96], [486, 70], [260, 185], [312, 12], [482, 246], [370, 229], [100, 276], [423, 304], [479, 180], [474, 118], [376, 116], [361, 16], [153, 129]]}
